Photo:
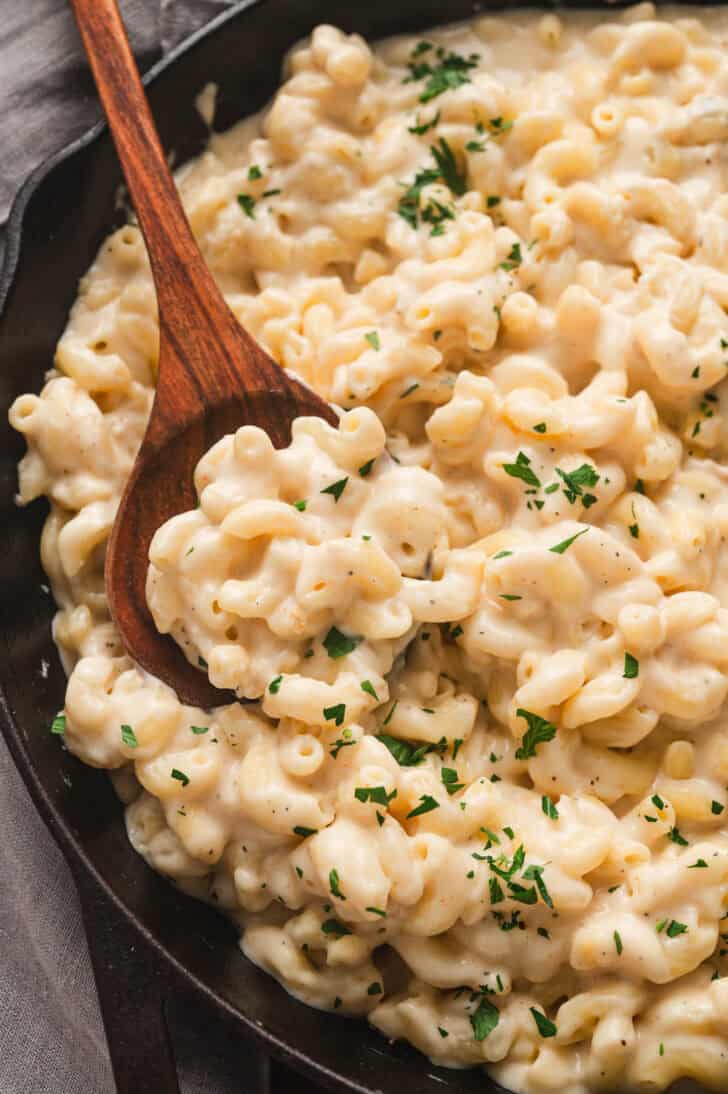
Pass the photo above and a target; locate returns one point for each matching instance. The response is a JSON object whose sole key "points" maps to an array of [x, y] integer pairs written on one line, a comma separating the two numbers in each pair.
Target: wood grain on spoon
{"points": [[213, 377]]}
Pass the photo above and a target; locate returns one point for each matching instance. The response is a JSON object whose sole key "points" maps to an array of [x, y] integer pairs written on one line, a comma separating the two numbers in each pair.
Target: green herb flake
{"points": [[337, 644], [449, 778], [495, 891], [275, 685], [427, 804], [543, 933], [521, 470], [254, 172], [376, 911], [502, 554], [618, 943], [335, 714], [509, 596], [675, 928], [442, 1032], [548, 807], [128, 737], [408, 390], [444, 157], [661, 1049], [701, 864], [484, 1019], [368, 687], [247, 204], [657, 801], [374, 989], [560, 548], [677, 837], [202, 663], [716, 808], [334, 885], [366, 468], [631, 667], [58, 725], [376, 794], [423, 127], [336, 489], [544, 1025], [540, 427], [451, 72], [301, 830], [539, 731], [373, 339], [180, 776], [513, 259], [333, 926], [300, 505]]}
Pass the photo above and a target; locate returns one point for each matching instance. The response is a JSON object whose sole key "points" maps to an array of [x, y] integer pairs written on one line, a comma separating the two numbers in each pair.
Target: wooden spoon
{"points": [[213, 377]]}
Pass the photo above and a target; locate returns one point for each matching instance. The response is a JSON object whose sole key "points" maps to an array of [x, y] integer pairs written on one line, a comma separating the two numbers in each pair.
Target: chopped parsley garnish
{"points": [[618, 943], [540, 427], [408, 391], [575, 480], [332, 926], [376, 794], [335, 714], [334, 885], [202, 663], [456, 746], [444, 157], [427, 804], [373, 339], [342, 742], [247, 204], [404, 753], [375, 911], [701, 864], [450, 72], [509, 596], [484, 1019], [442, 1032], [676, 836], [560, 548], [129, 738], [539, 731], [631, 667], [716, 808], [58, 725], [513, 259], [544, 1025], [392, 709], [199, 730], [275, 685], [543, 932], [301, 830], [449, 778], [366, 468], [521, 470], [270, 193], [657, 801], [495, 891], [254, 172], [180, 776], [337, 644], [300, 505], [502, 554], [423, 127], [492, 200], [374, 989], [535, 873], [548, 807], [368, 687], [675, 928], [336, 489]]}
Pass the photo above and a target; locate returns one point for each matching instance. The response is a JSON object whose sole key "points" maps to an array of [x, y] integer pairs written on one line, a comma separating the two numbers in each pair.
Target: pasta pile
{"points": [[479, 795]]}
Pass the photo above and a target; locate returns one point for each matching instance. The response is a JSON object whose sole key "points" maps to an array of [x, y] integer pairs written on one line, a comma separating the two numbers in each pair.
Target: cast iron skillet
{"points": [[148, 941]]}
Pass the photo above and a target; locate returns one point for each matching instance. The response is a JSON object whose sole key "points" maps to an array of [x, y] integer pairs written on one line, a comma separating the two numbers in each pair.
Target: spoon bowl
{"points": [[212, 376]]}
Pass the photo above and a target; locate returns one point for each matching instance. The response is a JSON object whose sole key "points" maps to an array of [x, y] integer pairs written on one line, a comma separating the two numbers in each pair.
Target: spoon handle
{"points": [[171, 246]]}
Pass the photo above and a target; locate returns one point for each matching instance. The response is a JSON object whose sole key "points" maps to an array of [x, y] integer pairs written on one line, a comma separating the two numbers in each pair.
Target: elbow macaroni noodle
{"points": [[480, 793]]}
